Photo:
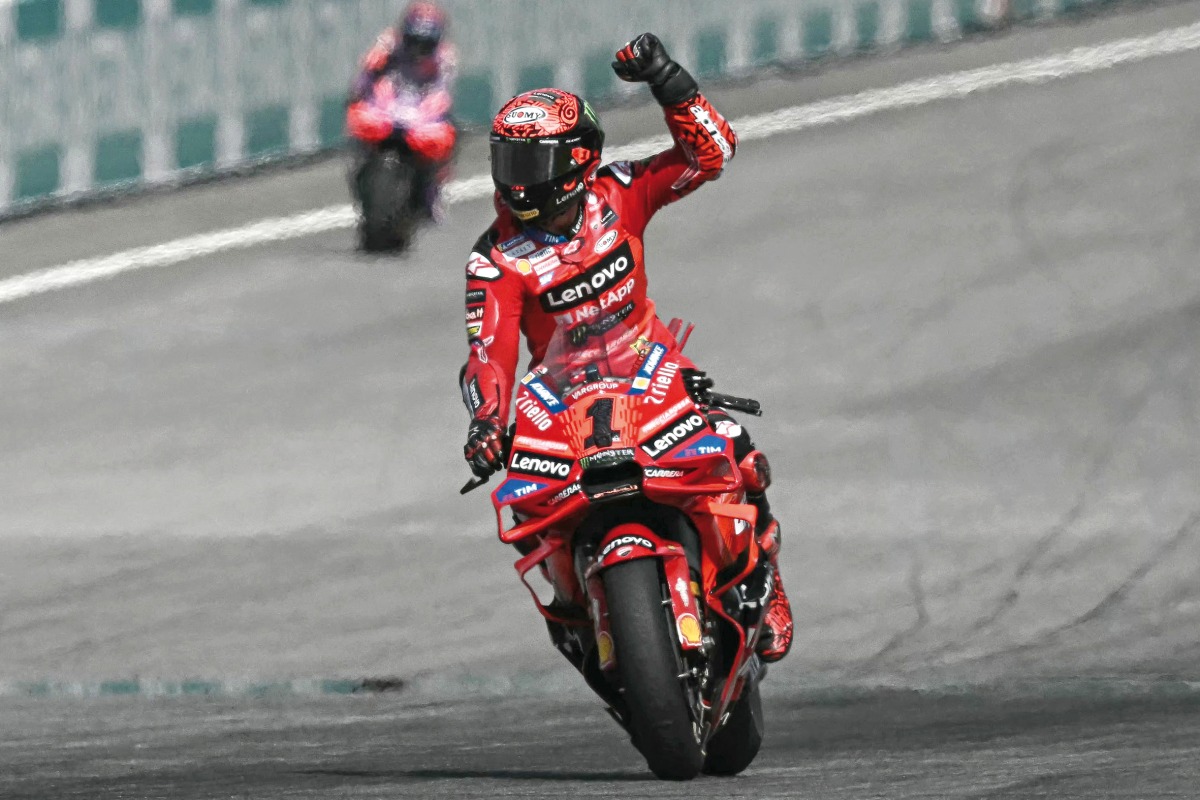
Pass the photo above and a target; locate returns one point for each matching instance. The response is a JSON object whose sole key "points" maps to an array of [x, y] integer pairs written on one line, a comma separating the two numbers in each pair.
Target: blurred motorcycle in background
{"points": [[402, 141]]}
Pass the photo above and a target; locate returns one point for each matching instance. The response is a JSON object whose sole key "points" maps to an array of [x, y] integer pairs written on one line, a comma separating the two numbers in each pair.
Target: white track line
{"points": [[1079, 61]]}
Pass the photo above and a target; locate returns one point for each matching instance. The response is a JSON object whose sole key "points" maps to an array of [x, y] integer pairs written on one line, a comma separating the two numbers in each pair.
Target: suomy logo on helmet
{"points": [[524, 114]]}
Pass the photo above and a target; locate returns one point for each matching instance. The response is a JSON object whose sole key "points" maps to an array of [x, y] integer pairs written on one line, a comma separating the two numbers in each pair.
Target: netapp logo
{"points": [[607, 272], [539, 464], [675, 432]]}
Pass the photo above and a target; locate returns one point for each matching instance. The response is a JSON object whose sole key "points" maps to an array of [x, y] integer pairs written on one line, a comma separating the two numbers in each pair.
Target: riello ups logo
{"points": [[589, 286]]}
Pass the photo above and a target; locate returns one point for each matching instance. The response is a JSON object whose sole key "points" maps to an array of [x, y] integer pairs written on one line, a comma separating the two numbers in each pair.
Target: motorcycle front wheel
{"points": [[647, 665], [384, 185]]}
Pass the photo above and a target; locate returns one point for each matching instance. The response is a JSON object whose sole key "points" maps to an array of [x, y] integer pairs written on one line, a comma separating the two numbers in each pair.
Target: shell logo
{"points": [[524, 267], [604, 649], [689, 630]]}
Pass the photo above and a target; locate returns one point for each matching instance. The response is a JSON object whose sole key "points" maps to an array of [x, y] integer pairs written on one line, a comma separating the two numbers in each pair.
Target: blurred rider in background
{"points": [[419, 67], [563, 221]]}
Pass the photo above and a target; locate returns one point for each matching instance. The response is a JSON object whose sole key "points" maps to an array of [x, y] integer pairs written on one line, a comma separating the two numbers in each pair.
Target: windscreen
{"points": [[615, 353]]}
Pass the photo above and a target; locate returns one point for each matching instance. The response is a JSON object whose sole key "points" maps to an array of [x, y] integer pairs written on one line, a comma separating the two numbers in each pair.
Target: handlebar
{"points": [[743, 404]]}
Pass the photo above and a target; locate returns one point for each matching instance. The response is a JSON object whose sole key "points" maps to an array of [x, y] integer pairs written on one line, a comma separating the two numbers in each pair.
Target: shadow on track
{"points": [[498, 774]]}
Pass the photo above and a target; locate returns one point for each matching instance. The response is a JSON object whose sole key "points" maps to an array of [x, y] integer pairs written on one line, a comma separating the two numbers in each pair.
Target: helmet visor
{"points": [[528, 162]]}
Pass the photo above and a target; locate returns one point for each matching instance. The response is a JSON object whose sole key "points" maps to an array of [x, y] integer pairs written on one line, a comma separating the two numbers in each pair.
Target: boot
{"points": [[776, 638]]}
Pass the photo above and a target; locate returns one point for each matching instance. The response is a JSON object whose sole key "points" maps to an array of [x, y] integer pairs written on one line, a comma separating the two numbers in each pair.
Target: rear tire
{"points": [[734, 747], [647, 663]]}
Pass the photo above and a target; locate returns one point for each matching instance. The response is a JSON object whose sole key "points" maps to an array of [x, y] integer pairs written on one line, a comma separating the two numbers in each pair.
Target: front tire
{"points": [[384, 186], [734, 747], [647, 664]]}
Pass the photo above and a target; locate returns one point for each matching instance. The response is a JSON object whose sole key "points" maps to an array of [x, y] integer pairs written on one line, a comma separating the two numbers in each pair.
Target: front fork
{"points": [[683, 590]]}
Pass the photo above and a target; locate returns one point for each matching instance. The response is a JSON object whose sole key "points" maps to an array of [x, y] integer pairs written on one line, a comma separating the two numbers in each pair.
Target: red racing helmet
{"points": [[546, 147]]}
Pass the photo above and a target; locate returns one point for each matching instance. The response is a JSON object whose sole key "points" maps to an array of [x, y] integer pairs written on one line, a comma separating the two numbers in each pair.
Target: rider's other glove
{"points": [[484, 450], [645, 59], [697, 384]]}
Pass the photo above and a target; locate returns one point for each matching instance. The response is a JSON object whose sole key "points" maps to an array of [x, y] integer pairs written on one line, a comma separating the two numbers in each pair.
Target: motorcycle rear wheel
{"points": [[647, 664]]}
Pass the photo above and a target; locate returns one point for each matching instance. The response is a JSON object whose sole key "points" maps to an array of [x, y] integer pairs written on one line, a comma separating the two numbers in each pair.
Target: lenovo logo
{"points": [[591, 284]]}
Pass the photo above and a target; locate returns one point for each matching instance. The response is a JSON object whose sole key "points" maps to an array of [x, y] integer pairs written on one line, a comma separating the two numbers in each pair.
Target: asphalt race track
{"points": [[974, 326]]}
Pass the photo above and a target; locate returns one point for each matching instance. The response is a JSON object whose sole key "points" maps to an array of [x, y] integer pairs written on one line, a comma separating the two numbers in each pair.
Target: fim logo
{"points": [[515, 488]]}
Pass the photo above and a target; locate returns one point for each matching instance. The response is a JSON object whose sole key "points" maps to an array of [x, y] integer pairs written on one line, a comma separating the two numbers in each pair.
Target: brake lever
{"points": [[473, 484]]}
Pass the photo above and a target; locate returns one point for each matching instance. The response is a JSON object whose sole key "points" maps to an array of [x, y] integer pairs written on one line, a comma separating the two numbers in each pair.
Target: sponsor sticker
{"points": [[540, 464], [662, 382], [516, 488], [706, 121], [604, 649], [606, 458], [588, 388], [594, 282], [674, 433], [474, 396], [608, 219], [541, 444], [543, 393], [522, 249], [659, 472], [476, 297], [658, 421], [546, 266], [563, 495], [522, 115], [524, 267], [689, 630], [641, 381], [481, 268], [509, 243], [729, 429], [606, 242], [708, 446], [627, 541]]}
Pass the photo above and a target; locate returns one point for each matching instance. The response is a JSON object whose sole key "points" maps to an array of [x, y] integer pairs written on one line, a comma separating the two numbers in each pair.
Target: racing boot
{"points": [[776, 638]]}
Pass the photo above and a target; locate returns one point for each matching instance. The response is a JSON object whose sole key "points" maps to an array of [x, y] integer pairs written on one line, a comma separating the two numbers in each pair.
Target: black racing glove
{"points": [[485, 448], [645, 59]]}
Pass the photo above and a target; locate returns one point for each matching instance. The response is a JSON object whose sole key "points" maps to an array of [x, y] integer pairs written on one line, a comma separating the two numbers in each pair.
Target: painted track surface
{"points": [[975, 330]]}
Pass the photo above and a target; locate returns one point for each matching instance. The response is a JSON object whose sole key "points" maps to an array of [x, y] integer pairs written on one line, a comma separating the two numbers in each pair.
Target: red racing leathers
{"points": [[594, 283]]}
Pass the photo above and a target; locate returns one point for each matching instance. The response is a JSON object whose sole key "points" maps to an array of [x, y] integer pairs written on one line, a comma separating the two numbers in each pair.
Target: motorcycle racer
{"points": [[566, 249], [420, 68]]}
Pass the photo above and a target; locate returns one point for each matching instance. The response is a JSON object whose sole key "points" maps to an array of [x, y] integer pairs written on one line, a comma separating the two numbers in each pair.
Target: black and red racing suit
{"points": [[521, 281]]}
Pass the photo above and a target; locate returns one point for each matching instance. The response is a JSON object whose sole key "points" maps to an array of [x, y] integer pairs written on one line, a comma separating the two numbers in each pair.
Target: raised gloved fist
{"points": [[484, 450], [643, 59]]}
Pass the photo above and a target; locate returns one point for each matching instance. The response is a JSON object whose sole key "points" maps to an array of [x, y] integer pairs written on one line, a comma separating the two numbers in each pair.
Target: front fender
{"points": [[630, 541]]}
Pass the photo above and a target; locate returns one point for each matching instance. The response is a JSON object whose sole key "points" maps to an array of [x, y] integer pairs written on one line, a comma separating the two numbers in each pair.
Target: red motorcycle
{"points": [[633, 509], [402, 140]]}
